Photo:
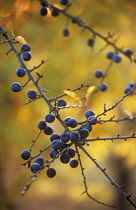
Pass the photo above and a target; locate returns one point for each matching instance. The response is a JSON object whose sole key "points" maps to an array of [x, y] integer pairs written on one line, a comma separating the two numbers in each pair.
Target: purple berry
{"points": [[20, 72], [35, 167], [31, 94], [50, 118], [15, 87], [25, 154], [26, 56], [73, 163], [25, 47], [41, 125], [51, 172]]}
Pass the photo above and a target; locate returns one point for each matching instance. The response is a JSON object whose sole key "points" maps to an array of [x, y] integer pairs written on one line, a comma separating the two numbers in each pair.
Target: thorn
{"points": [[128, 196]]}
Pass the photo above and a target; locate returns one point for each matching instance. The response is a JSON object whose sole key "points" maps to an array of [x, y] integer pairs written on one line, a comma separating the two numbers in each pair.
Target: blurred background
{"points": [[71, 63]]}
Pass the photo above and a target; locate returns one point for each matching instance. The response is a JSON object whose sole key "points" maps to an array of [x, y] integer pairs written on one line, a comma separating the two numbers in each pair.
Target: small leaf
{"points": [[21, 39], [89, 91], [129, 114], [73, 95]]}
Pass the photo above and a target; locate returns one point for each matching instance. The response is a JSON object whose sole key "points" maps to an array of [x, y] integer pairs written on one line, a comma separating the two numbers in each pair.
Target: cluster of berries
{"points": [[21, 72], [61, 144]]}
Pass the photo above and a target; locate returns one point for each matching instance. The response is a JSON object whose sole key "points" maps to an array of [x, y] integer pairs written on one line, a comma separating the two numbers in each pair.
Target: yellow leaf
{"points": [[129, 114], [73, 95], [90, 90], [21, 39]]}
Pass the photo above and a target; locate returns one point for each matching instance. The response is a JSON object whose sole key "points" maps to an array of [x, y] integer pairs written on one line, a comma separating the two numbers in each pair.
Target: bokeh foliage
{"points": [[71, 63]]}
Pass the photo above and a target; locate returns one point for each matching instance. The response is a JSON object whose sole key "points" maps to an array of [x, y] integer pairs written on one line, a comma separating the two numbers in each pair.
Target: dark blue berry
{"points": [[71, 152], [35, 167], [44, 3], [53, 153], [84, 133], [50, 118], [64, 2], [15, 87], [31, 94], [56, 144], [98, 74], [43, 11], [64, 145], [39, 160], [54, 136], [116, 58], [62, 102], [128, 52], [48, 130], [20, 72], [51, 172], [25, 47], [131, 84], [90, 42], [26, 56], [110, 54], [74, 136], [65, 158], [66, 120], [127, 89], [92, 120], [25, 154], [73, 163], [54, 12], [41, 125], [65, 32], [89, 113], [73, 123], [102, 87], [88, 127], [65, 137]]}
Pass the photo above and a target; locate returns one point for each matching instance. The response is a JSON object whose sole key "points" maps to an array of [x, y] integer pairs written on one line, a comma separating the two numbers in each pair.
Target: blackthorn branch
{"points": [[75, 134]]}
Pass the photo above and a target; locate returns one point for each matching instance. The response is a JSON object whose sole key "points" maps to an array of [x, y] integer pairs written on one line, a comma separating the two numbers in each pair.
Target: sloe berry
{"points": [[92, 120], [41, 125], [25, 47], [56, 144], [73, 163], [39, 160], [65, 32], [43, 11], [35, 167], [102, 87], [26, 56], [15, 87], [98, 74], [48, 130], [20, 72], [110, 54], [31, 94], [51, 172], [89, 113], [65, 137], [25, 154], [73, 123], [53, 153], [64, 2], [54, 136], [71, 152], [84, 133], [65, 158], [116, 58], [90, 42], [62, 102], [74, 136], [50, 118]]}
